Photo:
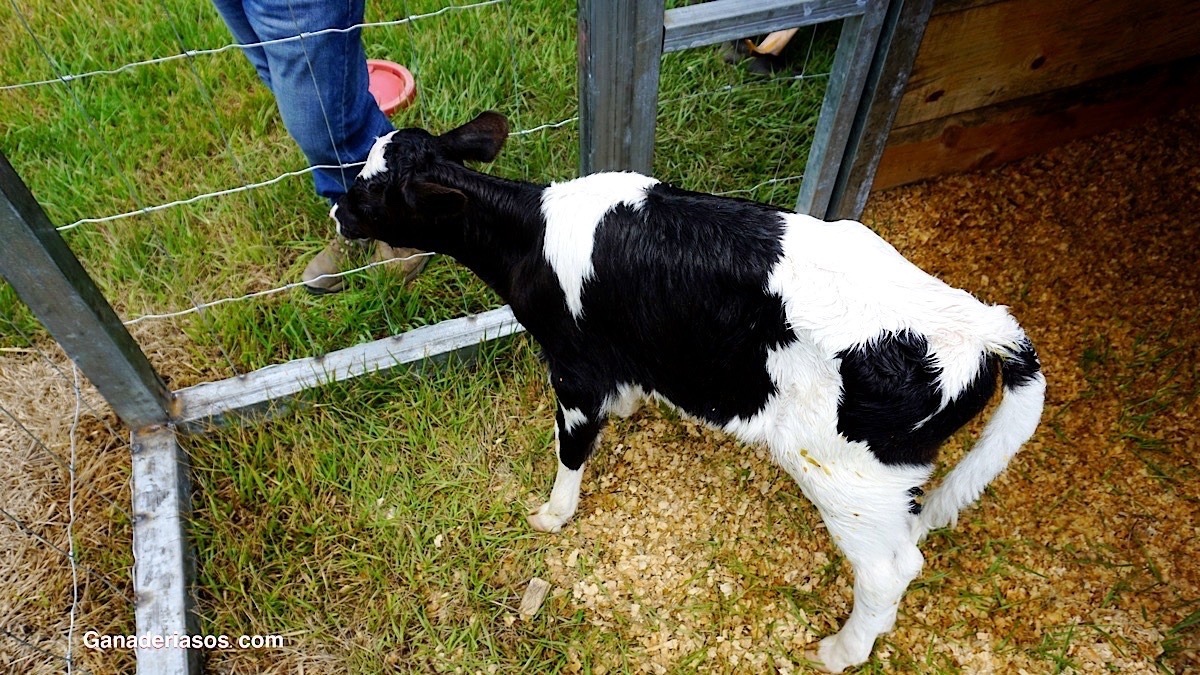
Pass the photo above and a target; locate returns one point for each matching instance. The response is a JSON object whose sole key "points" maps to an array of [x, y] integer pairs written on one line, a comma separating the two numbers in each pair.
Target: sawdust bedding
{"points": [[702, 555], [1083, 555]]}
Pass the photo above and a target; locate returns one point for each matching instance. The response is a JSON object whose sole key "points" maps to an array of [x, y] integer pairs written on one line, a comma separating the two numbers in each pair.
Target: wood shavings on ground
{"points": [[1081, 557]]}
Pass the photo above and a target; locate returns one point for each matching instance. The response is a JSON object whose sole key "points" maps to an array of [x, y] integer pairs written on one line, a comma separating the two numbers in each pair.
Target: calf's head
{"points": [[402, 195]]}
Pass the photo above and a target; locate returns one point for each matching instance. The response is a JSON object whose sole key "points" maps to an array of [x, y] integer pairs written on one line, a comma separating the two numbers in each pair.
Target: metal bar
{"points": [[209, 403], [722, 20], [898, 44], [851, 63], [50, 280], [620, 51], [163, 564]]}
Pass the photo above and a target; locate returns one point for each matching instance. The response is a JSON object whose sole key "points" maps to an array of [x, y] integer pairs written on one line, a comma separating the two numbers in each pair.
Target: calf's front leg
{"points": [[575, 436]]}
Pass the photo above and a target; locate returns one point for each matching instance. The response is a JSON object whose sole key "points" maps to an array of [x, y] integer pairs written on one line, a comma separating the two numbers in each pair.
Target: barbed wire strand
{"points": [[266, 183], [251, 45], [201, 197], [272, 291]]}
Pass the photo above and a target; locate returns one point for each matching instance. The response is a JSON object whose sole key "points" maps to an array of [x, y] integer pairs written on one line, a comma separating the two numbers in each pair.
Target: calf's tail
{"points": [[1013, 422]]}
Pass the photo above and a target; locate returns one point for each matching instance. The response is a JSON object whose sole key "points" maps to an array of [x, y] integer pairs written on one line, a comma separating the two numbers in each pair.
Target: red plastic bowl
{"points": [[391, 84]]}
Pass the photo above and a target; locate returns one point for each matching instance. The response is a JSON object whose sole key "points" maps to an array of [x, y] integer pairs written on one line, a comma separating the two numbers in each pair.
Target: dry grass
{"points": [[35, 495], [693, 553]]}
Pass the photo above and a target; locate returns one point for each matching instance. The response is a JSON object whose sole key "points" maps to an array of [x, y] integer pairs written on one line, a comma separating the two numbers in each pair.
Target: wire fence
{"points": [[69, 502]]}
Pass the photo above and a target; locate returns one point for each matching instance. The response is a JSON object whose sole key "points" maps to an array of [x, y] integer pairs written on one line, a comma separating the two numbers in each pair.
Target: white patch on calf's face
{"points": [[573, 210], [376, 164], [337, 225]]}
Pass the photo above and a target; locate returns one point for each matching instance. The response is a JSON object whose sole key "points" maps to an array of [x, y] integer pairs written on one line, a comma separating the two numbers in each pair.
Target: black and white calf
{"points": [[815, 339]]}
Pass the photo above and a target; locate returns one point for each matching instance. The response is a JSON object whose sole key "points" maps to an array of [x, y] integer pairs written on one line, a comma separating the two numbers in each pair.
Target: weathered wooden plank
{"points": [[840, 108], [1009, 50], [206, 403], [988, 137], [898, 44], [163, 562]]}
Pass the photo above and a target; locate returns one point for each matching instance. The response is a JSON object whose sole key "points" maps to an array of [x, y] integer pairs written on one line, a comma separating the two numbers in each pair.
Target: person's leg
{"points": [[320, 83], [321, 88], [233, 12]]}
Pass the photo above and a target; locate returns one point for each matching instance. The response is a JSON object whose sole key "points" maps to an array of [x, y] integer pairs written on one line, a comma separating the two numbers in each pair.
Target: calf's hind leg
{"points": [[869, 518], [575, 436]]}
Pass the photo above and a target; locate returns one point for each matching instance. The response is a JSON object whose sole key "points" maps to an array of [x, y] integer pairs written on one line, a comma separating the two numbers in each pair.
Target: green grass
{"points": [[383, 508]]}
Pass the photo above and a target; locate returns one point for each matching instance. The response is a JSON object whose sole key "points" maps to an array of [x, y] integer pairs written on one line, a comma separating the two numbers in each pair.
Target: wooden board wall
{"points": [[997, 80]]}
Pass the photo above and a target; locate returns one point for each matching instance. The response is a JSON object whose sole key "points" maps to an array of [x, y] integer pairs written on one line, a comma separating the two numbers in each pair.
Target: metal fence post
{"points": [[901, 37], [855, 54], [620, 50], [50, 280], [164, 563]]}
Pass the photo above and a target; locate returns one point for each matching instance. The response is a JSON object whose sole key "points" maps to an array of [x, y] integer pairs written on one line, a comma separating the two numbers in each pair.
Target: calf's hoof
{"points": [[833, 655], [543, 519]]}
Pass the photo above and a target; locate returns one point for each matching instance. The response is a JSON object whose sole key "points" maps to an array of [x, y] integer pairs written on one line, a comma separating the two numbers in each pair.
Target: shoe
{"points": [[407, 269], [343, 254], [338, 256]]}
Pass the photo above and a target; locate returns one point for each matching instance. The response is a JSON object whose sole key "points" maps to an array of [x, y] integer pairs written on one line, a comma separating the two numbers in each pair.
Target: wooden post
{"points": [[901, 37], [246, 395], [164, 563]]}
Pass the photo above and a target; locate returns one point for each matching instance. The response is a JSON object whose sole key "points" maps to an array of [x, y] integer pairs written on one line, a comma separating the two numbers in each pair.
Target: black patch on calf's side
{"points": [[679, 296], [890, 399]]}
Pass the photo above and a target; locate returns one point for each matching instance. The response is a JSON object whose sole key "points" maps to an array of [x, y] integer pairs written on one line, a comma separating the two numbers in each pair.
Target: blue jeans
{"points": [[319, 82]]}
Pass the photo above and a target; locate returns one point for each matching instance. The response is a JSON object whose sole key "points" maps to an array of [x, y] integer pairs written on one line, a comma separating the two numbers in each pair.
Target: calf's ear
{"points": [[479, 140], [433, 200]]}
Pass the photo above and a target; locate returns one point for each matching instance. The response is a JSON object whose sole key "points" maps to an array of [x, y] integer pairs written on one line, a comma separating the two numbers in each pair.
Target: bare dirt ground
{"points": [[703, 556]]}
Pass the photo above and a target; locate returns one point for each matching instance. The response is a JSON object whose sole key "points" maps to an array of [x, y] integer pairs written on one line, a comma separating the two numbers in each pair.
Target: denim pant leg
{"points": [[233, 12], [320, 82]]}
